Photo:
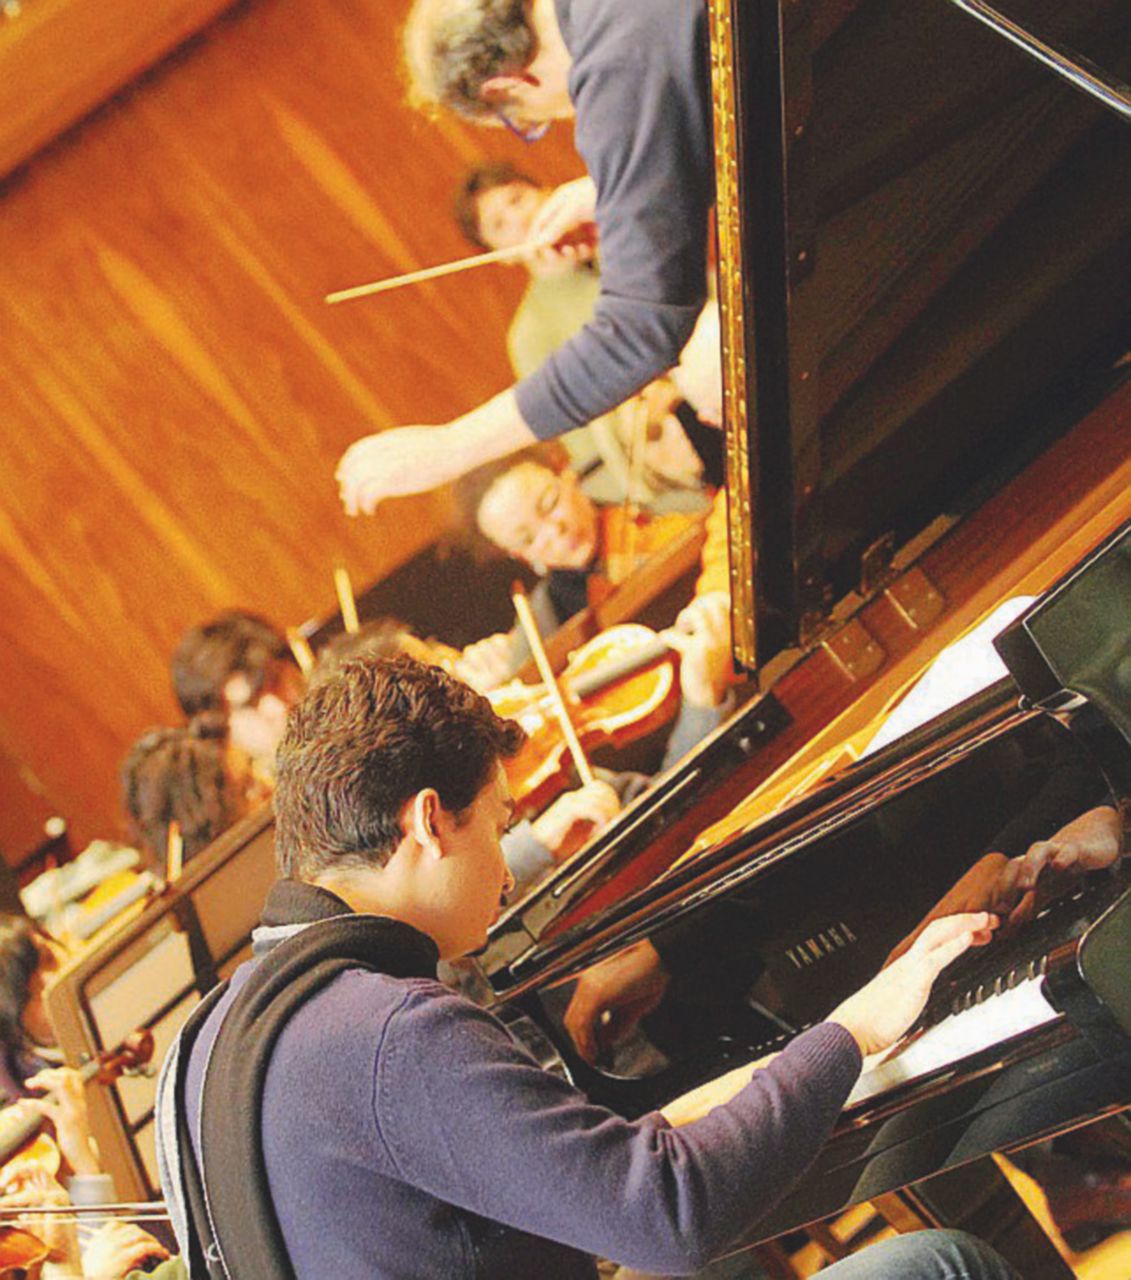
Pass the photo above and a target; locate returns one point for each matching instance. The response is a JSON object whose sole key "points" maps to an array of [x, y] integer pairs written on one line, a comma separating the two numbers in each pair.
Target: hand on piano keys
{"points": [[878, 1016], [882, 1012], [1091, 842]]}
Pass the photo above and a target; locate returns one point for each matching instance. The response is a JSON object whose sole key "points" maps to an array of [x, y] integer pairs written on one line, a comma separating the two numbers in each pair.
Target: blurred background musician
{"points": [[239, 666], [194, 776]]}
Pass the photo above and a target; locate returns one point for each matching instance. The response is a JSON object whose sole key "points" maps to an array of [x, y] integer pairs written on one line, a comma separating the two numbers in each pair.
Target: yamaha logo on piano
{"points": [[828, 942]]}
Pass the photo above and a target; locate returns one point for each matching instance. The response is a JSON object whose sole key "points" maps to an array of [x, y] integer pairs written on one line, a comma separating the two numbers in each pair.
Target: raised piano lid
{"points": [[925, 269], [1052, 650]]}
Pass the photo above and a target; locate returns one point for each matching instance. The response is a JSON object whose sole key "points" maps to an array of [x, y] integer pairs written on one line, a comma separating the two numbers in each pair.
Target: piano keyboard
{"points": [[995, 1015]]}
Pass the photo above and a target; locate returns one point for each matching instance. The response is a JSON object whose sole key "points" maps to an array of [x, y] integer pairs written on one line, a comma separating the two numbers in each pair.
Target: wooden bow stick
{"points": [[346, 602], [432, 273], [300, 647], [534, 640], [174, 853]]}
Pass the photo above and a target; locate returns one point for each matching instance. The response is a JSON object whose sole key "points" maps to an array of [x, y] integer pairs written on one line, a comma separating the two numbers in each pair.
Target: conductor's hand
{"points": [[390, 464], [576, 817], [564, 228], [612, 997], [1090, 842], [879, 1014]]}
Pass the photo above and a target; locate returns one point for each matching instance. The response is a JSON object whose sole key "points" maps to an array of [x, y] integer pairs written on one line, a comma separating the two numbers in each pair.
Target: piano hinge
{"points": [[856, 652], [915, 598], [875, 565]]}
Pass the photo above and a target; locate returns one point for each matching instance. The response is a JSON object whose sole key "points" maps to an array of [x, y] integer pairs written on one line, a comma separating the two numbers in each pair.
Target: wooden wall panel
{"points": [[175, 391], [60, 58]]}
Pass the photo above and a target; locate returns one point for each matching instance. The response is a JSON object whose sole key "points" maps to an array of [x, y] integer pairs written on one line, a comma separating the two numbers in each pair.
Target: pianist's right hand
{"points": [[880, 1014]]}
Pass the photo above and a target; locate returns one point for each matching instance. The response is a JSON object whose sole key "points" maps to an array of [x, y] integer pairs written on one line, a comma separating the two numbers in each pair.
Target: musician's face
{"points": [[466, 886], [52, 957], [542, 518], [256, 722], [505, 213]]}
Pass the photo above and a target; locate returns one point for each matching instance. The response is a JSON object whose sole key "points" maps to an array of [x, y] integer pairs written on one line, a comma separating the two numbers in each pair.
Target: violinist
{"points": [[635, 79], [398, 1130], [193, 776], [121, 1250], [239, 666], [537, 511], [34, 1079]]}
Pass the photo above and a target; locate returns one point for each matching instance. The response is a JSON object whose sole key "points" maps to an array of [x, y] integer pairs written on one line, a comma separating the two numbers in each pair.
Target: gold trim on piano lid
{"points": [[733, 329]]}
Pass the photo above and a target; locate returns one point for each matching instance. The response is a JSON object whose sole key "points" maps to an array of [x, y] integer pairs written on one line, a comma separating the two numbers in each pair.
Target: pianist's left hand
{"points": [[1090, 842]]}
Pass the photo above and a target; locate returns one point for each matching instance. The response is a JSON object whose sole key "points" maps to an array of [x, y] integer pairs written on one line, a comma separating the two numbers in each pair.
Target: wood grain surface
{"points": [[176, 394]]}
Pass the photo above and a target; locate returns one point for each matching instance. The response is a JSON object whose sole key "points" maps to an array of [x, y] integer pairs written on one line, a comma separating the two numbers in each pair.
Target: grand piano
{"points": [[925, 278]]}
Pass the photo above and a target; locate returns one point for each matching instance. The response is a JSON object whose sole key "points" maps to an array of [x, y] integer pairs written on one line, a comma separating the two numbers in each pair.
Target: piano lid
{"points": [[1073, 642], [925, 275]]}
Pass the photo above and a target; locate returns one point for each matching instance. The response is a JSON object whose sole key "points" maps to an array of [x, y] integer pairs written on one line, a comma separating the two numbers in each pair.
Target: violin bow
{"points": [[174, 853], [300, 647], [346, 603], [534, 640]]}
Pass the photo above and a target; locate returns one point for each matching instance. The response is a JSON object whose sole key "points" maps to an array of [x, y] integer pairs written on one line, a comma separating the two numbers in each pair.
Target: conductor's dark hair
{"points": [[234, 643], [452, 50], [362, 744], [480, 180], [180, 775], [19, 959]]}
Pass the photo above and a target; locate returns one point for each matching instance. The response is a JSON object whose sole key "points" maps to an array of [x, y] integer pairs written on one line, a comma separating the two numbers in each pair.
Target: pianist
{"points": [[355, 1117], [635, 80]]}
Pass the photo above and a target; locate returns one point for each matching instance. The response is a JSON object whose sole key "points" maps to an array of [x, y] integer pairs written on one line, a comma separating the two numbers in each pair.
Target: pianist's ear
{"points": [[423, 810]]}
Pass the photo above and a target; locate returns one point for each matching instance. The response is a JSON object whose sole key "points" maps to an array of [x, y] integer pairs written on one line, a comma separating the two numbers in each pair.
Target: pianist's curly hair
{"points": [[360, 745], [184, 776], [453, 47]]}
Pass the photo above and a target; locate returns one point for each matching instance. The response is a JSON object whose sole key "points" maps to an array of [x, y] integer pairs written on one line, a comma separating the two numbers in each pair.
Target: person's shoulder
{"points": [[429, 1014], [611, 28]]}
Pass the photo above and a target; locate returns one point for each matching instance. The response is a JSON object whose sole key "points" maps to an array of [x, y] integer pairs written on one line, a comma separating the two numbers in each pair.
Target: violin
{"points": [[22, 1253], [22, 1140], [618, 687]]}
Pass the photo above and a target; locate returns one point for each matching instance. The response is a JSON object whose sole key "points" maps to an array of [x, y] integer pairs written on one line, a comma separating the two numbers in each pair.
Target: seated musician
{"points": [[635, 80], [536, 510], [116, 1250], [194, 776], [29, 959], [533, 847], [496, 207], [403, 1132], [240, 666], [33, 1079]]}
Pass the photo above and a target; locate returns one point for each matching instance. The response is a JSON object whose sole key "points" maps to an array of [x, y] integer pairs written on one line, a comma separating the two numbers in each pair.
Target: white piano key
{"points": [[997, 1019]]}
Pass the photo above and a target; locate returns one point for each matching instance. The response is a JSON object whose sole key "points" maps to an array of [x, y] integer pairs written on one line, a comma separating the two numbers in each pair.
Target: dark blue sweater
{"points": [[640, 86], [398, 1117]]}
